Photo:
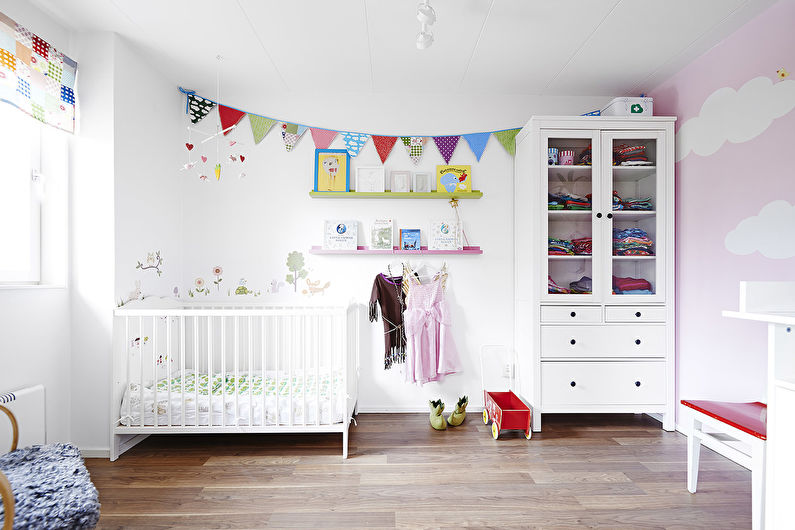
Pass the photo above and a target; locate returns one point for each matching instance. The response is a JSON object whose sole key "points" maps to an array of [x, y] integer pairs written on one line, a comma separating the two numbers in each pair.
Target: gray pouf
{"points": [[52, 488]]}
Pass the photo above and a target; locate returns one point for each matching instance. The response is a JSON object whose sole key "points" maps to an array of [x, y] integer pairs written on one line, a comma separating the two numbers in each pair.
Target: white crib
{"points": [[221, 368]]}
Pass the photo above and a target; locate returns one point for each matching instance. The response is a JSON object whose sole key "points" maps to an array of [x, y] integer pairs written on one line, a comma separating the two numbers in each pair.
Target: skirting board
{"points": [[95, 453]]}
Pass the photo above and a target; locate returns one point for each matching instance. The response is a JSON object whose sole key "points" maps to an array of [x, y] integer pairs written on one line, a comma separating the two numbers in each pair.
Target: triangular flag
{"points": [[477, 142], [198, 108], [414, 145], [260, 126], [384, 145], [508, 139], [291, 133], [322, 137], [446, 145], [354, 141], [229, 117]]}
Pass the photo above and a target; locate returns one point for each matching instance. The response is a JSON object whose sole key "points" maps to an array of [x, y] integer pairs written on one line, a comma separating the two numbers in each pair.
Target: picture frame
{"points": [[370, 179], [400, 181], [422, 182], [330, 166]]}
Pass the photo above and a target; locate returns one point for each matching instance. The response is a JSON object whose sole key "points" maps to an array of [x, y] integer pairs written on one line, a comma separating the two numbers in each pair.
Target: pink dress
{"points": [[432, 352]]}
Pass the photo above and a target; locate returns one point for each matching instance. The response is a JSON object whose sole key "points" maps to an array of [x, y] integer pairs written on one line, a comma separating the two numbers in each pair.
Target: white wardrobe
{"points": [[594, 236]]}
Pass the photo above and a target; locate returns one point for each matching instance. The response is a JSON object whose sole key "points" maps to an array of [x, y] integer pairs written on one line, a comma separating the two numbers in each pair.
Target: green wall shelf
{"points": [[474, 194]]}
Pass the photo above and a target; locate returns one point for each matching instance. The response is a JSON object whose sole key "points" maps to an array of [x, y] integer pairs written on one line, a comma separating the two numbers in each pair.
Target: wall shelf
{"points": [[474, 194], [395, 250]]}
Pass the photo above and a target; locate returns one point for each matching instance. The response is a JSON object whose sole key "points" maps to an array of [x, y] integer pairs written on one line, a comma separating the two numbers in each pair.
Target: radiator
{"points": [[27, 404]]}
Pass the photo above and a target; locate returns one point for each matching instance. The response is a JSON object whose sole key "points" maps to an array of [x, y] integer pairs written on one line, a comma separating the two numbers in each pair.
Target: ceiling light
{"points": [[425, 13], [424, 39]]}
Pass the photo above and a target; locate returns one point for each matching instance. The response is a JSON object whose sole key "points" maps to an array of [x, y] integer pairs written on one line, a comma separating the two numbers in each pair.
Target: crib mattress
{"points": [[217, 399]]}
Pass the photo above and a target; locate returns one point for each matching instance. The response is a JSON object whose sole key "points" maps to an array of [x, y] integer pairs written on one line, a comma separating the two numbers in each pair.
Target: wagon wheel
{"points": [[485, 416], [495, 430]]}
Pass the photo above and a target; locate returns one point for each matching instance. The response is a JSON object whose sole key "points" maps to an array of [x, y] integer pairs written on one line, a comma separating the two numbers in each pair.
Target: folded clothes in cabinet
{"points": [[631, 203], [564, 247], [582, 286], [582, 245], [554, 288], [631, 242], [565, 201], [631, 286], [630, 155]]}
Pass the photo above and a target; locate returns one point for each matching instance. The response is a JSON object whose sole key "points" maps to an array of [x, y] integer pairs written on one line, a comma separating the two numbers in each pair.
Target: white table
{"points": [[774, 304]]}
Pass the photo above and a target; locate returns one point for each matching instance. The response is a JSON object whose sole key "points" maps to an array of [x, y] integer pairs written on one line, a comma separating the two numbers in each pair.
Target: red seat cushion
{"points": [[748, 417]]}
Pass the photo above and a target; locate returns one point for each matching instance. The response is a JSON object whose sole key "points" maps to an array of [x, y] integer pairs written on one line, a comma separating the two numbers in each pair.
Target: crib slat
{"points": [[316, 355], [168, 365], [141, 358], [209, 371], [237, 373], [182, 364], [291, 354], [250, 371], [155, 405], [223, 371], [127, 349], [196, 370], [302, 340], [262, 369], [331, 392], [279, 337]]}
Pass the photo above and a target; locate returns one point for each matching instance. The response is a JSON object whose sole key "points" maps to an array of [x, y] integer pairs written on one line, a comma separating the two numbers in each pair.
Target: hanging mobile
{"points": [[189, 146]]}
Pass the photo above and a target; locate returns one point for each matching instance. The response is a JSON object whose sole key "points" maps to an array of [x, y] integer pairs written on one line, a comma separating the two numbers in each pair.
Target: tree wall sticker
{"points": [[295, 264]]}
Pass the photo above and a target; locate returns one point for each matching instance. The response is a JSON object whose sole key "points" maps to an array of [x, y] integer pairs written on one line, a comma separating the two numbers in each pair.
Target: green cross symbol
{"points": [[636, 109]]}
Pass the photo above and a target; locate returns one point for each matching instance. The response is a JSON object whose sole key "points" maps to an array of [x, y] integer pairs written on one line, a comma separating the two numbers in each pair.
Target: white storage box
{"points": [[629, 107]]}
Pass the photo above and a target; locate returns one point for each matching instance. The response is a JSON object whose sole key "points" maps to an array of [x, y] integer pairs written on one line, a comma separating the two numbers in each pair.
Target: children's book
{"points": [[451, 179], [445, 234], [381, 234], [410, 239], [340, 235]]}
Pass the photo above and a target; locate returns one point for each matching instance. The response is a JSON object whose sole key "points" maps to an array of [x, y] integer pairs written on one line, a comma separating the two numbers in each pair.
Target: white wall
{"points": [[34, 322], [249, 225]]}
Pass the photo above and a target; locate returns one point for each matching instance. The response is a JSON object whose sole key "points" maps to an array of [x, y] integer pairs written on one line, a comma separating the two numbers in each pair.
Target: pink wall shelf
{"points": [[396, 250]]}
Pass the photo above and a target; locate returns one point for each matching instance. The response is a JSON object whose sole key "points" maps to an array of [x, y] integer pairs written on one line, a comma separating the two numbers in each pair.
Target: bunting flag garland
{"points": [[414, 146], [384, 145], [508, 139], [198, 108], [260, 126], [446, 146], [477, 142], [322, 137], [291, 133], [354, 141], [229, 117]]}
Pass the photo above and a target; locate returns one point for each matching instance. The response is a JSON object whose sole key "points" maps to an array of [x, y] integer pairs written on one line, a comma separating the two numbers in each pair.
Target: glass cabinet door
{"points": [[633, 171], [568, 220]]}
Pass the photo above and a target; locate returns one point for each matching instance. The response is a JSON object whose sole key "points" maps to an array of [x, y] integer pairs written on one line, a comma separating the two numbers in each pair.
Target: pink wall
{"points": [[717, 357]]}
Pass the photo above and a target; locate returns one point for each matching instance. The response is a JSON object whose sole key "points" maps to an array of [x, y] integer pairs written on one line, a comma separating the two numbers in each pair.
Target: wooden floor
{"points": [[603, 470]]}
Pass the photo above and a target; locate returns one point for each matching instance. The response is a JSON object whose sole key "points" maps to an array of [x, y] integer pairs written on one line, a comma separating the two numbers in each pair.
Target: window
{"points": [[21, 188]]}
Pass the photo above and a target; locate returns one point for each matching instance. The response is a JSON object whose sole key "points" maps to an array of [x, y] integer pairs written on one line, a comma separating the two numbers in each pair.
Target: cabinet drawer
{"points": [[567, 313], [628, 313], [602, 383], [602, 341]]}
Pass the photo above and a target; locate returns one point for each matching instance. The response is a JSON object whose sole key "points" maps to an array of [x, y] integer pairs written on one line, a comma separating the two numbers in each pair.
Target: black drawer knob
{"points": [[637, 314], [599, 215], [610, 216], [637, 341], [637, 383], [573, 314], [573, 342], [573, 383]]}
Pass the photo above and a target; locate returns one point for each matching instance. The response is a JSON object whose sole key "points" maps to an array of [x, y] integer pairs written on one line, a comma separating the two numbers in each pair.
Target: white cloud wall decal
{"points": [[771, 232], [735, 115]]}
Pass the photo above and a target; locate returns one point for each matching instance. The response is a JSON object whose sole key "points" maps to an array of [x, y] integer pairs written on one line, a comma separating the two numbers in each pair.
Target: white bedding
{"points": [[221, 399]]}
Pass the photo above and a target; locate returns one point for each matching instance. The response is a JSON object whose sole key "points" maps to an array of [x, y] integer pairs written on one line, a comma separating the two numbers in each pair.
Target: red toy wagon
{"points": [[504, 409]]}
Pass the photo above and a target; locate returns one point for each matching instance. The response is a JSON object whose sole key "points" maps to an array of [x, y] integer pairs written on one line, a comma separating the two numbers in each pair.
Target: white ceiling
{"points": [[527, 47]]}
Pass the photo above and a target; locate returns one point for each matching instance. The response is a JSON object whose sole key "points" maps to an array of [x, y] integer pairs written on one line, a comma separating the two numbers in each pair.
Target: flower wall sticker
{"points": [[199, 287], [217, 272], [153, 262]]}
